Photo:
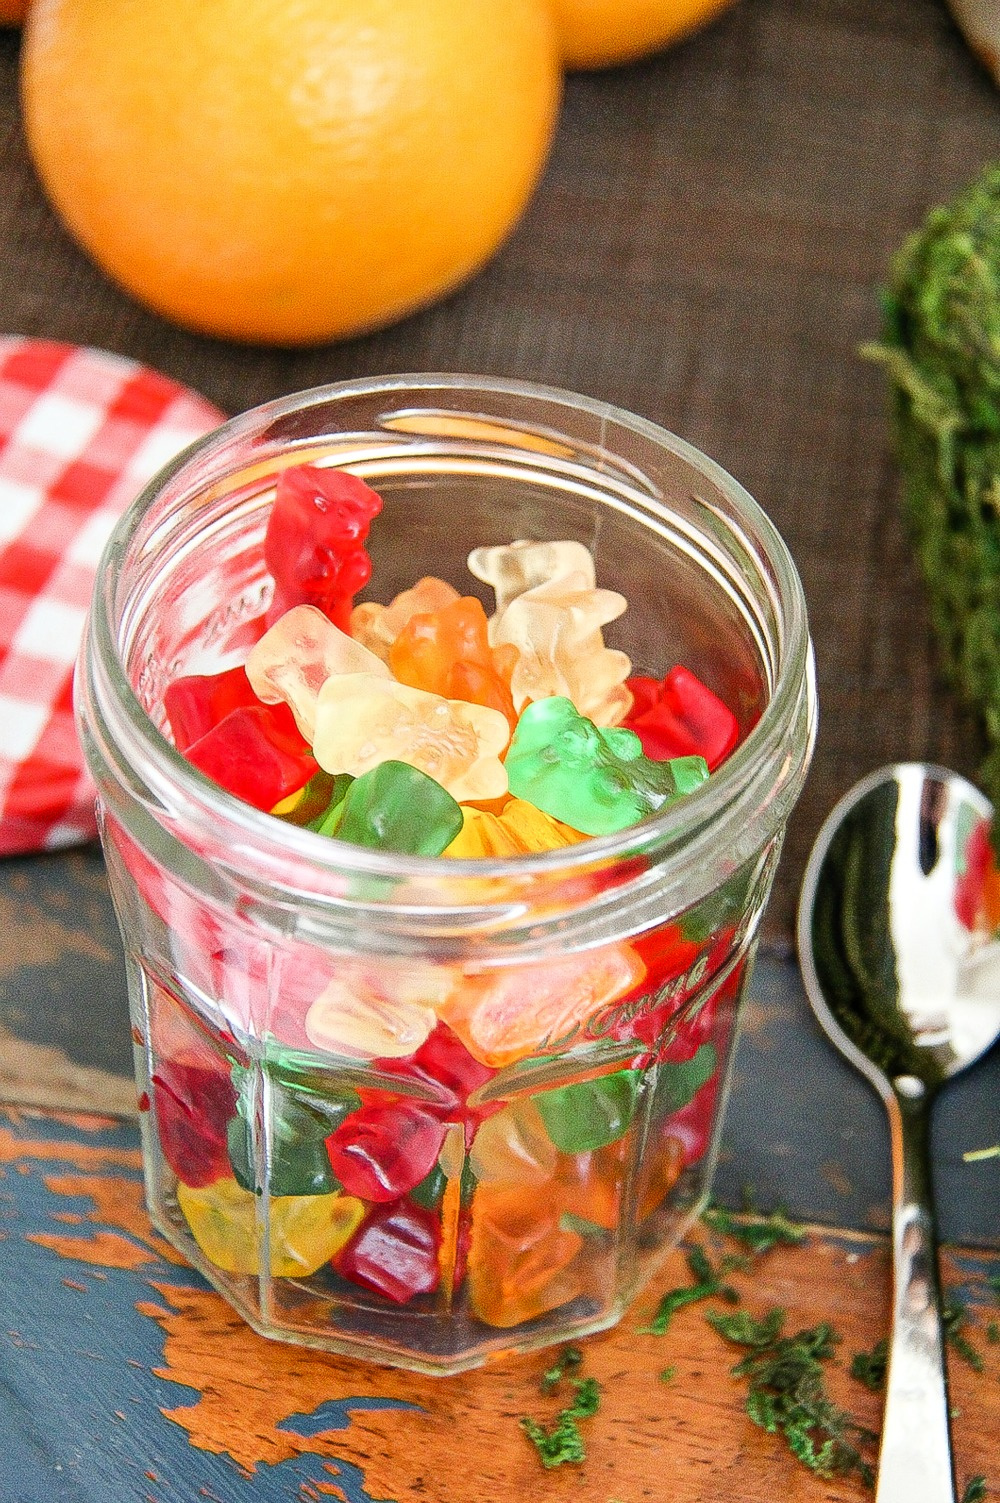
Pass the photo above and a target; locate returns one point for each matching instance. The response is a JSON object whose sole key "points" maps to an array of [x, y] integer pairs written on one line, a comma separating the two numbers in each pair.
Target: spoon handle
{"points": [[915, 1458]]}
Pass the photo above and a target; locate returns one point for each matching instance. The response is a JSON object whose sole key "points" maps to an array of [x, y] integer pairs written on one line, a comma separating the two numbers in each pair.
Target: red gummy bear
{"points": [[314, 544], [257, 753], [382, 1151], [681, 717], [394, 1252], [197, 702], [193, 1100], [443, 1068]]}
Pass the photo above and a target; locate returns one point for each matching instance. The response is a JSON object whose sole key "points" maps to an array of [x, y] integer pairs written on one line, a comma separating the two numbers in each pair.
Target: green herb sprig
{"points": [[563, 1442], [953, 1321], [975, 1490], [708, 1282], [755, 1230], [787, 1393], [940, 348], [869, 1368]]}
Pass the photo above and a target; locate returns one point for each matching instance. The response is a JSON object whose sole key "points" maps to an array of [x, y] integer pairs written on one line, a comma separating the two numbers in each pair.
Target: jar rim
{"points": [[731, 794]]}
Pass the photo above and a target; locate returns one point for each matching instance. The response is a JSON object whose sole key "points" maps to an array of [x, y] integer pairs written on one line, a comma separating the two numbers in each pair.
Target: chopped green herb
{"points": [[668, 1375], [869, 1367], [976, 1155], [708, 1283], [953, 1320], [756, 1230], [994, 1283], [992, 1332], [787, 1392], [564, 1443], [569, 1357], [975, 1490]]}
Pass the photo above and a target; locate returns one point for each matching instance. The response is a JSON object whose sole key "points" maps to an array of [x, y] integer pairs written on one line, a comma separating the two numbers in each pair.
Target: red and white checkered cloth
{"points": [[81, 432]]}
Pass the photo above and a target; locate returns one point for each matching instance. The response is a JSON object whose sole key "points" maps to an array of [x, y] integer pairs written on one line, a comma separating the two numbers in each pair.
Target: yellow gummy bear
{"points": [[363, 720], [517, 830], [377, 626], [306, 1231]]}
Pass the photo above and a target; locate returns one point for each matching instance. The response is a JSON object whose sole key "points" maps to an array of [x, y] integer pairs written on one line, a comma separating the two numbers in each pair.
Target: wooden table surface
{"points": [[705, 249]]}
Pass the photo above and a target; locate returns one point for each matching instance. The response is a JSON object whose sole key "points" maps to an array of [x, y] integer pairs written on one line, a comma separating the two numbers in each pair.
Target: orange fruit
{"points": [[289, 172], [598, 33]]}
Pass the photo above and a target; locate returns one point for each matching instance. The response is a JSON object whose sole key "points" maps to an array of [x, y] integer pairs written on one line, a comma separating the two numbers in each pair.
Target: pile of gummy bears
{"points": [[392, 726], [425, 726]]}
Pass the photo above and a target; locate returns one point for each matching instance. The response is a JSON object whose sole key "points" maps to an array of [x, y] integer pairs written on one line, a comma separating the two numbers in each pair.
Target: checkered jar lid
{"points": [[81, 432]]}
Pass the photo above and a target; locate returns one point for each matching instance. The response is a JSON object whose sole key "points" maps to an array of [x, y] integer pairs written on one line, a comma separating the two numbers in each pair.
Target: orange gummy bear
{"points": [[447, 652]]}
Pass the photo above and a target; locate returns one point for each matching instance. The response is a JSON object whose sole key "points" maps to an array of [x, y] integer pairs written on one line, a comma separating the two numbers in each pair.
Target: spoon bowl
{"points": [[902, 969]]}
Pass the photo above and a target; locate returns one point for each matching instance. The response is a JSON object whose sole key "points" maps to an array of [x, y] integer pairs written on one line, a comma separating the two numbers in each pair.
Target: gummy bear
{"points": [[257, 753], [394, 1252], [517, 830], [396, 807], [590, 1114], [378, 1010], [386, 1147], [310, 805], [514, 568], [445, 1075], [447, 652], [295, 657], [520, 1256], [291, 1155], [193, 1102], [680, 717], [304, 1231], [513, 1147], [556, 628], [377, 626], [505, 1015], [198, 701], [589, 1186], [314, 543], [362, 720], [595, 778]]}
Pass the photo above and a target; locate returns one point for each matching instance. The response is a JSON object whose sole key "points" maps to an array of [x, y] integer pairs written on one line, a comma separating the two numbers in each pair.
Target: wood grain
{"points": [[228, 1397]]}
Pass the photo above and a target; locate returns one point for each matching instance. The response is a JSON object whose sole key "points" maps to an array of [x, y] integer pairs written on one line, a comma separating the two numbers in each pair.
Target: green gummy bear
{"points": [[321, 792], [396, 807], [592, 1113], [301, 1122], [595, 778]]}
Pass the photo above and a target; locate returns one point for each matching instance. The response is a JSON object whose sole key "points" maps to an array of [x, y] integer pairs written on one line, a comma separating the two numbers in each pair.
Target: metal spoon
{"points": [[905, 979]]}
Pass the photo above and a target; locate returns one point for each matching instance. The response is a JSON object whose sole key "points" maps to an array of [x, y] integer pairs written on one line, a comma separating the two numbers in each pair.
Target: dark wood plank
{"points": [[123, 1377]]}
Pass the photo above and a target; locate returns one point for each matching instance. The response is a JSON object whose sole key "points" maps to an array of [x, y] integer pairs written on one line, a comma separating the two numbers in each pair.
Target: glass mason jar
{"points": [[538, 1120]]}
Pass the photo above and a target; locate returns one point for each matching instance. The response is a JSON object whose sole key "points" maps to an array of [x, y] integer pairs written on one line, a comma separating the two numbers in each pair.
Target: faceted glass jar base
{"points": [[511, 1215]]}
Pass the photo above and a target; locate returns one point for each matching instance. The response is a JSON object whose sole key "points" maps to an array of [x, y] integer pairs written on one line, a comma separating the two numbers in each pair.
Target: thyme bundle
{"points": [[940, 348]]}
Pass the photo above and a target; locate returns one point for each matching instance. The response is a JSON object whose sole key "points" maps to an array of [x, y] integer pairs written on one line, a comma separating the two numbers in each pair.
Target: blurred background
{"points": [[704, 247]]}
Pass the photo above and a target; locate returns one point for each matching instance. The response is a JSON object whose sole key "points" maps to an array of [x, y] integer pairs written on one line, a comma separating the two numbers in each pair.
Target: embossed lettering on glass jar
{"points": [[531, 1117]]}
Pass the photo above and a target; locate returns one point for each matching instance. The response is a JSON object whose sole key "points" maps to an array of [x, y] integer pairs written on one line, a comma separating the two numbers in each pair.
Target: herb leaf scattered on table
{"points": [[869, 1368], [563, 1442], [707, 1283], [953, 1320], [787, 1392]]}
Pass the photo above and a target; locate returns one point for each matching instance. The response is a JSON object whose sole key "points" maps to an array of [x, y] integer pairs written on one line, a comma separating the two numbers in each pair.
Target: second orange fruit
{"points": [[600, 33], [289, 171]]}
